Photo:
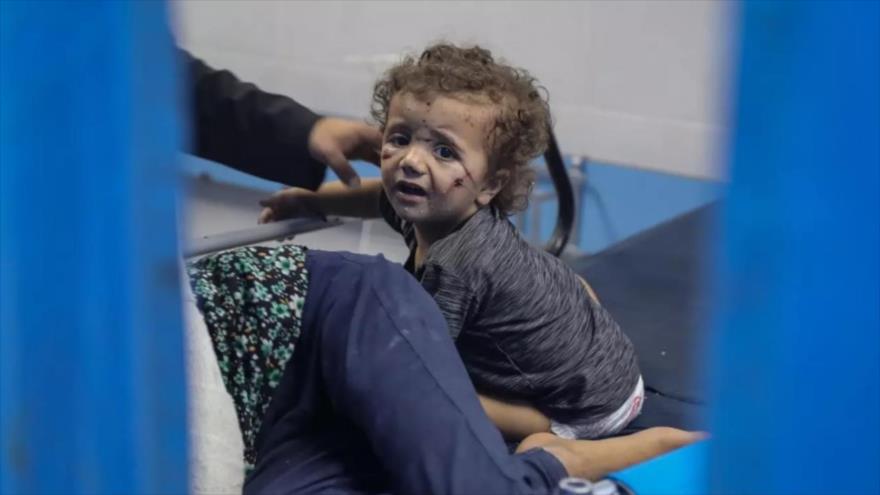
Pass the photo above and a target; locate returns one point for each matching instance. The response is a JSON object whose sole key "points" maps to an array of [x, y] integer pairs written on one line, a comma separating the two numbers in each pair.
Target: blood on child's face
{"points": [[434, 159]]}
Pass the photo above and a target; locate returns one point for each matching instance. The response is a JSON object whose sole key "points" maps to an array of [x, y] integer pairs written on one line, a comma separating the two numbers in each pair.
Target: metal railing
{"points": [[565, 180], [261, 233]]}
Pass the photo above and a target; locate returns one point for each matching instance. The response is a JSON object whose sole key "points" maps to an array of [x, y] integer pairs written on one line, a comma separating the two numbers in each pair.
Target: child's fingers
{"points": [[276, 199], [266, 216], [288, 203], [275, 203]]}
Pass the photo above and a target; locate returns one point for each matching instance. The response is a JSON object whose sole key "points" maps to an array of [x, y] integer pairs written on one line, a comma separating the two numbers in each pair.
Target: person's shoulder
{"points": [[480, 238], [481, 251], [512, 259]]}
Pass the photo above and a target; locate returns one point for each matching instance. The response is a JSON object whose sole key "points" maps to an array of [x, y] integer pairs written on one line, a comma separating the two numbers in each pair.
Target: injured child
{"points": [[345, 380], [460, 130]]}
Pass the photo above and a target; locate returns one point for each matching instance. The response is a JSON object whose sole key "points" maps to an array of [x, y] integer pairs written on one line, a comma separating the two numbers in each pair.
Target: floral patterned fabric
{"points": [[252, 301]]}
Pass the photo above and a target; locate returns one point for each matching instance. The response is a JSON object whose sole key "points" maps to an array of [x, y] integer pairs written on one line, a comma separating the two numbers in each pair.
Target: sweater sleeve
{"points": [[237, 124]]}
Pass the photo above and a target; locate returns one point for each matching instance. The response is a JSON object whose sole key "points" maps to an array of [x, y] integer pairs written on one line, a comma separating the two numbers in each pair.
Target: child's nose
{"points": [[413, 163]]}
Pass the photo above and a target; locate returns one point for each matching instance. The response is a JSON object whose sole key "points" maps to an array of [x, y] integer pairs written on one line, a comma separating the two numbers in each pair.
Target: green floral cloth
{"points": [[252, 301]]}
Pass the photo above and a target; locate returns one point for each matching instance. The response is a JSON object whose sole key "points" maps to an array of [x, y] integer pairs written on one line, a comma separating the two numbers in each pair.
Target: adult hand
{"points": [[334, 141]]}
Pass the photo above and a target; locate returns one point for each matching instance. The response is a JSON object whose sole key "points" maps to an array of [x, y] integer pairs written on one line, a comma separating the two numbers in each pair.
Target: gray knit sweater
{"points": [[523, 323]]}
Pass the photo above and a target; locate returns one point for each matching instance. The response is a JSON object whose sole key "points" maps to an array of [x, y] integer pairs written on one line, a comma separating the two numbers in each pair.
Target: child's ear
{"points": [[493, 186]]}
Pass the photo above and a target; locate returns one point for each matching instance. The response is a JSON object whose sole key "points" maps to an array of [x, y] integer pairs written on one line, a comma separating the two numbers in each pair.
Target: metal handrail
{"points": [[565, 194], [261, 233]]}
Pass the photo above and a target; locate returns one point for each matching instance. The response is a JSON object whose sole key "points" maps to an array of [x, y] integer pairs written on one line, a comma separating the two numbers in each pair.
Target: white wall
{"points": [[633, 82]]}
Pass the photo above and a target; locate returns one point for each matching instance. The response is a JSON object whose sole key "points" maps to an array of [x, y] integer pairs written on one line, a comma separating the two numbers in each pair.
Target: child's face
{"points": [[434, 159]]}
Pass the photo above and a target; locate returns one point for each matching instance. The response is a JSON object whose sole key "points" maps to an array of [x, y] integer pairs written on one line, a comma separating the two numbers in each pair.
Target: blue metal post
{"points": [[91, 361], [797, 355]]}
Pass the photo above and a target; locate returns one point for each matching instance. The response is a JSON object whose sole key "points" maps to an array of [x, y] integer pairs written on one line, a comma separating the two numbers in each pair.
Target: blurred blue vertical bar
{"points": [[91, 361], [798, 349]]}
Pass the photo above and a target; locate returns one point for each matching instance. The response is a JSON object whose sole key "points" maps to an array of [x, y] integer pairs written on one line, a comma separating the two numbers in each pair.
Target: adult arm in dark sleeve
{"points": [[237, 124]]}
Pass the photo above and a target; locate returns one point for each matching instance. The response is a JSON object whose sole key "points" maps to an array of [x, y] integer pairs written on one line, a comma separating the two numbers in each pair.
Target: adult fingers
{"points": [[338, 163]]}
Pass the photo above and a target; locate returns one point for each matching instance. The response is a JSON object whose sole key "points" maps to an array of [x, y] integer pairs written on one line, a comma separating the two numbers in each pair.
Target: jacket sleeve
{"points": [[237, 124]]}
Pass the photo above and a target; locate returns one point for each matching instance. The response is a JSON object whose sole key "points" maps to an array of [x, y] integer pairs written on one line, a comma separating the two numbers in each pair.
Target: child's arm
{"points": [[333, 198], [516, 421]]}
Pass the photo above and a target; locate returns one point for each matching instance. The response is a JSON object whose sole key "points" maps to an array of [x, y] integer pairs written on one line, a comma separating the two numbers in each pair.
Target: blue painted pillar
{"points": [[91, 361], [797, 354]]}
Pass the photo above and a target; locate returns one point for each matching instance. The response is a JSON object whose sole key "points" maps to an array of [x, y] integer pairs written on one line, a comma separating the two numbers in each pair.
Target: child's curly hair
{"points": [[521, 128]]}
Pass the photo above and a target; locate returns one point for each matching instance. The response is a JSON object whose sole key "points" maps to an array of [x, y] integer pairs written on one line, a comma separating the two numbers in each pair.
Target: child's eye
{"points": [[445, 152], [398, 139]]}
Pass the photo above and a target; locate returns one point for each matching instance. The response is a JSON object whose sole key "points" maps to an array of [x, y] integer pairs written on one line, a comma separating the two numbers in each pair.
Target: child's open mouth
{"points": [[409, 190]]}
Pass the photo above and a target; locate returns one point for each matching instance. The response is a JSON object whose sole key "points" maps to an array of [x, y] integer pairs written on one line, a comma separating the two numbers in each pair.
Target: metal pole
{"points": [[796, 360], [92, 380], [268, 232]]}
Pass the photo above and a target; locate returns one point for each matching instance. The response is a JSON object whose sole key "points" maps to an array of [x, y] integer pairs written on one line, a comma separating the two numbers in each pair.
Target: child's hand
{"points": [[289, 203]]}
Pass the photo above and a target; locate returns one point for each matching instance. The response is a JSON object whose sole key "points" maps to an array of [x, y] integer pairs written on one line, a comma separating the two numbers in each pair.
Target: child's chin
{"points": [[410, 213], [412, 217]]}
